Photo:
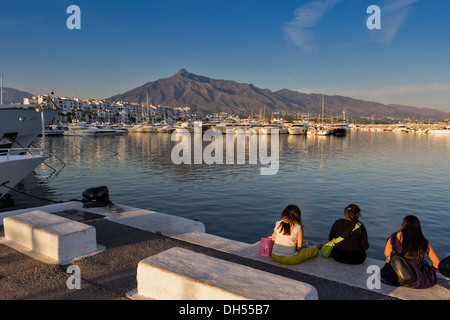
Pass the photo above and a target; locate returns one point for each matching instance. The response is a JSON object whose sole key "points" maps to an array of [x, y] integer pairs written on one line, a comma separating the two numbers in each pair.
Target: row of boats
{"points": [[19, 127], [402, 128], [233, 126]]}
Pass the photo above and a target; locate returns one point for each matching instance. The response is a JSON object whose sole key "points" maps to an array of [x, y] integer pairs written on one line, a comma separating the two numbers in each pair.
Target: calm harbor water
{"points": [[389, 175]]}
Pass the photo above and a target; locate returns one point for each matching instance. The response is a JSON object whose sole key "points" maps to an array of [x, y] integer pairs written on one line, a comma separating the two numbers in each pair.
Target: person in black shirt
{"points": [[351, 250]]}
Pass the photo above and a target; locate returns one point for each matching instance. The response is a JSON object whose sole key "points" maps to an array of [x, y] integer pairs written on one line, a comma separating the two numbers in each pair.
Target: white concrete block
{"points": [[168, 225], [180, 274], [55, 237]]}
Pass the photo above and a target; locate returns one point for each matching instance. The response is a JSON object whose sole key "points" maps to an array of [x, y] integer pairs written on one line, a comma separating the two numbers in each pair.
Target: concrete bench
{"points": [[180, 274], [326, 268], [58, 239]]}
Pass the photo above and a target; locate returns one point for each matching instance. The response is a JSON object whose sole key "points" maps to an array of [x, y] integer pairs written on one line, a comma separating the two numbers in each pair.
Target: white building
{"points": [[92, 110]]}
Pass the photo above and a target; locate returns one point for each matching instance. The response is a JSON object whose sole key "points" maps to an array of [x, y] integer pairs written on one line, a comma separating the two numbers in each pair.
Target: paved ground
{"points": [[110, 274]]}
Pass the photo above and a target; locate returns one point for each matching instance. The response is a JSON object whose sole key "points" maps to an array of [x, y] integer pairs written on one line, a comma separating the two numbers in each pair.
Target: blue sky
{"points": [[296, 45]]}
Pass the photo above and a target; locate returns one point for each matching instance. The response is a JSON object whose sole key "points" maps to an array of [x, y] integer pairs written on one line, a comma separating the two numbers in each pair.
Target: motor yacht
{"points": [[21, 124], [54, 130], [87, 130], [268, 129], [16, 164], [298, 128], [19, 127], [443, 131], [225, 127], [340, 128], [323, 131], [164, 127], [401, 128]]}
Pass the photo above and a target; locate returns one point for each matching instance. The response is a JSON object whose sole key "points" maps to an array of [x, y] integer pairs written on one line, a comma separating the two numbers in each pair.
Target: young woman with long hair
{"points": [[412, 244], [288, 245], [351, 250]]}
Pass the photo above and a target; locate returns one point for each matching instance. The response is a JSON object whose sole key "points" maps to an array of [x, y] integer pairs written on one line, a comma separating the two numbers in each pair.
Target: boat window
{"points": [[7, 140]]}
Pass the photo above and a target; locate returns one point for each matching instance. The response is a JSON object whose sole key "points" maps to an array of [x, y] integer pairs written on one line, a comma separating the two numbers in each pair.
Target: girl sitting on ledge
{"points": [[411, 243], [288, 238], [351, 250]]}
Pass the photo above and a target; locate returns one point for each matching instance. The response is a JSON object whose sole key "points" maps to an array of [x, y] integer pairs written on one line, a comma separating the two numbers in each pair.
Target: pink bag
{"points": [[265, 247]]}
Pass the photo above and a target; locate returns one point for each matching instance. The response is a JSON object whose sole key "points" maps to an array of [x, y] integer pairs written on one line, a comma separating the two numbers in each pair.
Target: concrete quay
{"points": [[130, 235]]}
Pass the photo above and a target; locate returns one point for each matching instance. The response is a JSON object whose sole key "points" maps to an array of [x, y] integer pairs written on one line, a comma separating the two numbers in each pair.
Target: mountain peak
{"points": [[182, 72], [214, 95]]}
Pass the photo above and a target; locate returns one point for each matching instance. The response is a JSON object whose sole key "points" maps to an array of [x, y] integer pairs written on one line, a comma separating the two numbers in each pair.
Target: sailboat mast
{"points": [[1, 90], [323, 100]]}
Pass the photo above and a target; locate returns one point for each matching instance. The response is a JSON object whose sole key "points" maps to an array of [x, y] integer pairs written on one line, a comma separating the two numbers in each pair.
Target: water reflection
{"points": [[388, 175]]}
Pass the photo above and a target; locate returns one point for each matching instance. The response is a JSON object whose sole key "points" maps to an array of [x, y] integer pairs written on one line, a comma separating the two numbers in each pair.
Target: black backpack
{"points": [[401, 266]]}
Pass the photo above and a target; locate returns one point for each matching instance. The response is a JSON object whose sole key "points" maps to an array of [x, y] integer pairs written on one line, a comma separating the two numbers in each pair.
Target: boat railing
{"points": [[21, 151]]}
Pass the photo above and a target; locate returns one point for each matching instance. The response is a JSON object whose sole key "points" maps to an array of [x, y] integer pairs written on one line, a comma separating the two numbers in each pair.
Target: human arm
{"points": [[433, 256], [274, 234], [300, 239], [388, 248]]}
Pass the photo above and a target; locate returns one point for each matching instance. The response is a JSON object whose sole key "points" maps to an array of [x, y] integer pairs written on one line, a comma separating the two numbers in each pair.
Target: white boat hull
{"points": [[167, 129], [15, 168], [89, 131], [26, 122], [323, 132], [444, 131], [298, 130]]}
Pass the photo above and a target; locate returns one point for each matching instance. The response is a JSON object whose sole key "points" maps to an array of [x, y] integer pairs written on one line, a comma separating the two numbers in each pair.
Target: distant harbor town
{"points": [[92, 116]]}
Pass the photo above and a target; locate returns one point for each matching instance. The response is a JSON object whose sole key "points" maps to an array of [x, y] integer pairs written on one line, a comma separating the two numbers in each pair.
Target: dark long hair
{"points": [[293, 214], [414, 244]]}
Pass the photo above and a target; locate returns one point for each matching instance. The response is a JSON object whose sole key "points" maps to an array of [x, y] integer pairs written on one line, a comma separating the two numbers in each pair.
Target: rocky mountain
{"points": [[211, 95], [358, 108], [205, 94], [11, 95]]}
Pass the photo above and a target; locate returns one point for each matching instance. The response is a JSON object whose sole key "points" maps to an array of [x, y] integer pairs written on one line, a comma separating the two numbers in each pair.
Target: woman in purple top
{"points": [[411, 243]]}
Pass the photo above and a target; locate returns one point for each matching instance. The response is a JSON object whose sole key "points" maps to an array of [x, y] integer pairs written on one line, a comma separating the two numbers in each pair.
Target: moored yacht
{"points": [[19, 127], [298, 128], [164, 127], [21, 124], [16, 164], [323, 131], [401, 128], [243, 128], [340, 128], [147, 128], [269, 129], [87, 130], [136, 128], [444, 131], [54, 130], [225, 127]]}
